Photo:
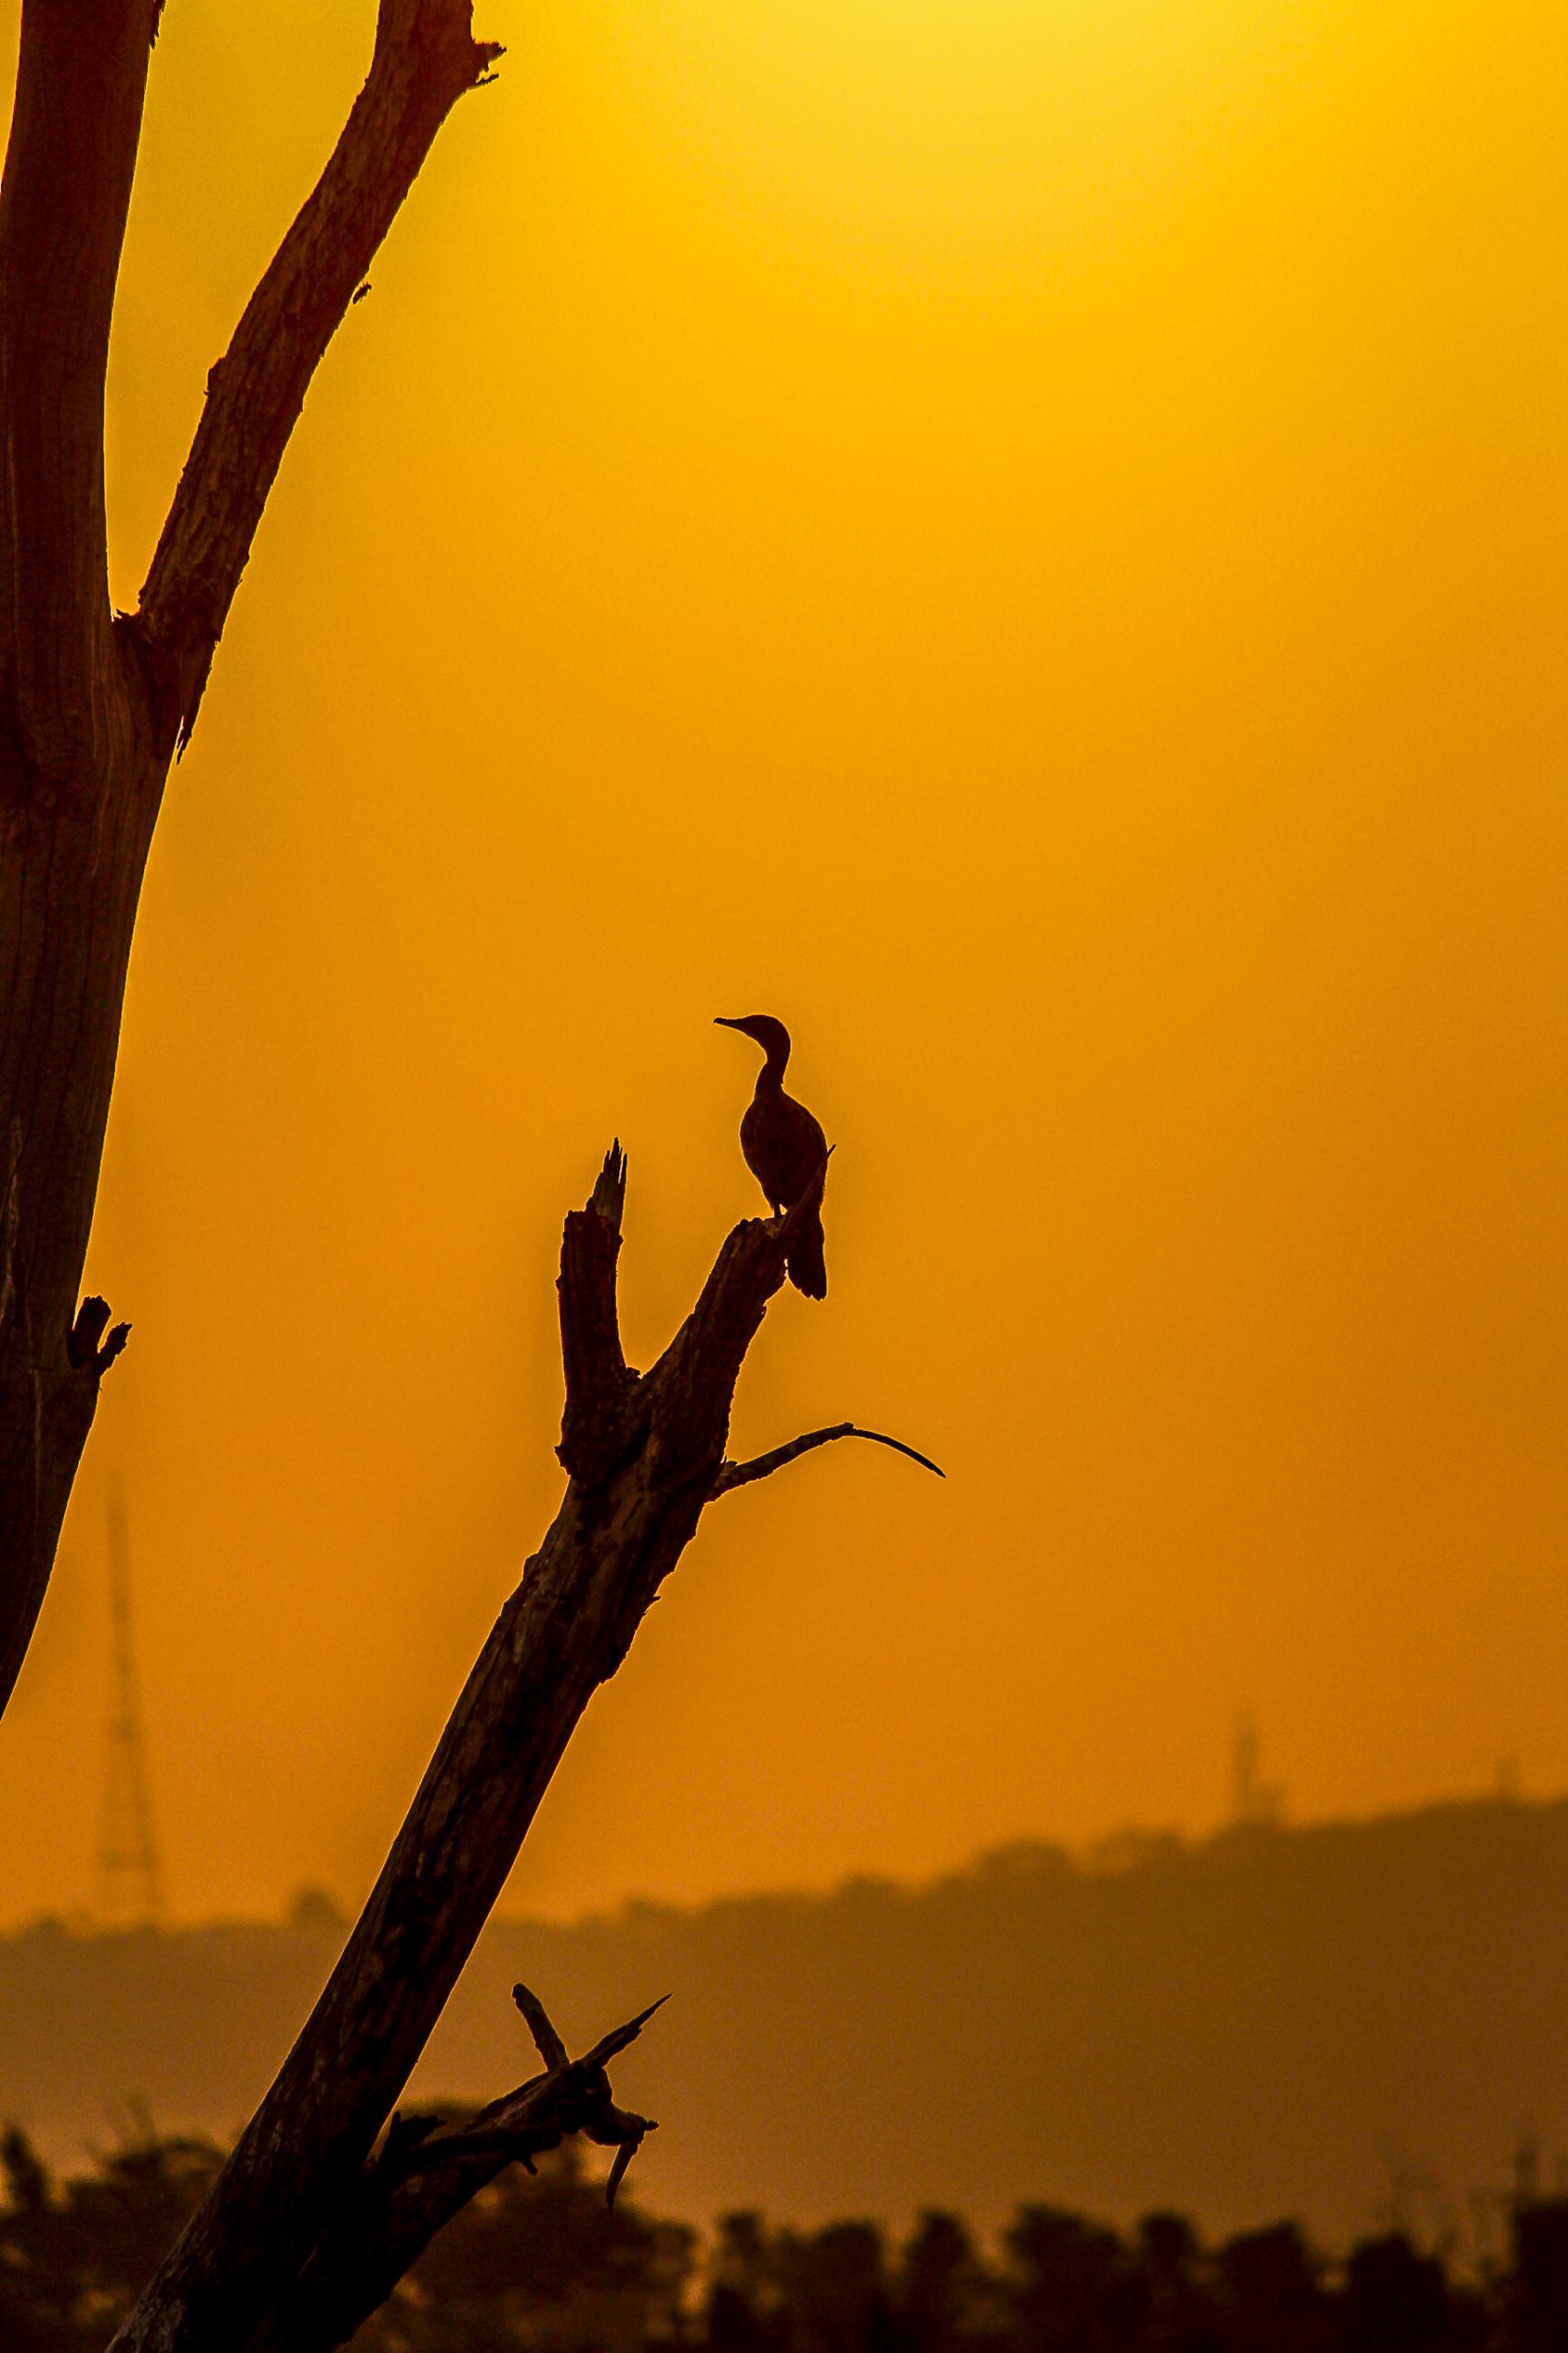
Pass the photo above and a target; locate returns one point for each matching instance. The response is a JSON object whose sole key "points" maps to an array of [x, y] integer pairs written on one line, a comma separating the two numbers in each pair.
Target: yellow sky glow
{"points": [[1026, 537]]}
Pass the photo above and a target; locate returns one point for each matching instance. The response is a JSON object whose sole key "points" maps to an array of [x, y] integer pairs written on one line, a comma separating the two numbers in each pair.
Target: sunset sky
{"points": [[1027, 538]]}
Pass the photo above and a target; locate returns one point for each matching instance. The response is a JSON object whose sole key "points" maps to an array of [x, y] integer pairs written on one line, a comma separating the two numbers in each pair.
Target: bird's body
{"points": [[782, 1145], [785, 1149]]}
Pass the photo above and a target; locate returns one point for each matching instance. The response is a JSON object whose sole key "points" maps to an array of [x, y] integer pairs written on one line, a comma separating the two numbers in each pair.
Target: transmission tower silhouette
{"points": [[130, 1888], [1253, 1800]]}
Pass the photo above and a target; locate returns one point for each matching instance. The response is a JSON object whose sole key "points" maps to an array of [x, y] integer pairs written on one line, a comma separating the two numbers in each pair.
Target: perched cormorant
{"points": [[784, 1148]]}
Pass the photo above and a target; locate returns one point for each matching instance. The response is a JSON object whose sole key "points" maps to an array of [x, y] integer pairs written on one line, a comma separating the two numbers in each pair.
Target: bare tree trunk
{"points": [[299, 2228], [68, 888], [78, 779], [93, 706]]}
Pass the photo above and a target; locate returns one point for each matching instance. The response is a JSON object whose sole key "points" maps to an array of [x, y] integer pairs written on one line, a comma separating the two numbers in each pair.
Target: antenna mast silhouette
{"points": [[130, 1890], [1253, 1800]]}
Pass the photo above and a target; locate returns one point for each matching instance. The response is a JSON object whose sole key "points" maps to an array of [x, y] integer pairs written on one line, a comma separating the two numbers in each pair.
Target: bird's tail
{"points": [[806, 1265]]}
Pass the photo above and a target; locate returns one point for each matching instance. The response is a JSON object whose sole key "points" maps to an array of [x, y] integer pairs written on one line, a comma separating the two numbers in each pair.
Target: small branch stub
{"points": [[86, 1346], [599, 1423], [572, 2096]]}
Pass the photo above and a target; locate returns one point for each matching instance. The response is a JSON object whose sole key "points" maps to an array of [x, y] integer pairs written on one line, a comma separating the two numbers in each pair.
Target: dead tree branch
{"points": [[762, 1466], [423, 2175], [425, 58], [644, 1454]]}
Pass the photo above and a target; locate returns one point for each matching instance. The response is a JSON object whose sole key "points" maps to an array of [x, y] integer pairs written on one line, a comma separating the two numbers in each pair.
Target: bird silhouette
{"points": [[784, 1148]]}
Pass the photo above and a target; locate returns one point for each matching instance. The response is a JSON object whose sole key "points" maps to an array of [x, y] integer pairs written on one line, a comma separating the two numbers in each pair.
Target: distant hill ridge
{"points": [[1306, 2021]]}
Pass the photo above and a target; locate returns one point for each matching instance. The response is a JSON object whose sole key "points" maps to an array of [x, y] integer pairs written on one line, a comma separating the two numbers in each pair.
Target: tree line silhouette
{"points": [[542, 2264]]}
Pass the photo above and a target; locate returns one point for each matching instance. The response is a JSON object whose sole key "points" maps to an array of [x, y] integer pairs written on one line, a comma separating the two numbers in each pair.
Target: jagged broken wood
{"points": [[645, 1455], [424, 2174]]}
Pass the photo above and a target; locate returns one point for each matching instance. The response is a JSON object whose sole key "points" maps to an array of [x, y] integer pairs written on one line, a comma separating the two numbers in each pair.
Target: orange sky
{"points": [[1026, 537]]}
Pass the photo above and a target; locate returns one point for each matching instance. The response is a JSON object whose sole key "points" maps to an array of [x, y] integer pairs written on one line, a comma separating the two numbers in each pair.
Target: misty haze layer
{"points": [[1279, 2021]]}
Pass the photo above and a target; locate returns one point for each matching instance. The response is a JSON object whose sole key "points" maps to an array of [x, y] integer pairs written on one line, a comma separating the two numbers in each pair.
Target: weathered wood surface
{"points": [[94, 704]]}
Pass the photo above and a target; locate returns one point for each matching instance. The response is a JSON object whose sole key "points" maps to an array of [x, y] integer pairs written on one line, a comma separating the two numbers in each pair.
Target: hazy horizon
{"points": [[1293, 2021], [1121, 1846]]}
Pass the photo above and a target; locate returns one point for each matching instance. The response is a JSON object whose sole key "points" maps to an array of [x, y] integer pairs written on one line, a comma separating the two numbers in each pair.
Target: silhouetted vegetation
{"points": [[1272, 2022], [542, 2264]]}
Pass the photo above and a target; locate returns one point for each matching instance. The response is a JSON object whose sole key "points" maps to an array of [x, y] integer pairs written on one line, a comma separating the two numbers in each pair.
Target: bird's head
{"points": [[770, 1034]]}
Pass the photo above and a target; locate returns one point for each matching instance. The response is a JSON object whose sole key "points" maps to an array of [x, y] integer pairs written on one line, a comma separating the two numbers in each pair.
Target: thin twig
{"points": [[610, 2046], [762, 1466]]}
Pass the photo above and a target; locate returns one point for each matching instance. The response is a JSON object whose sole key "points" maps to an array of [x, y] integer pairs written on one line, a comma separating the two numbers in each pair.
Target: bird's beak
{"points": [[722, 1021]]}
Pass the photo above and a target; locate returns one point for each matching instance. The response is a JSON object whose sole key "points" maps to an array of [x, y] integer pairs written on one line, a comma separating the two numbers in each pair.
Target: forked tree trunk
{"points": [[93, 707], [302, 2234]]}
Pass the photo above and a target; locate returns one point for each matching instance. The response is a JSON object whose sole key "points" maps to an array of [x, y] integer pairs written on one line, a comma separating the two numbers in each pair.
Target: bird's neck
{"points": [[770, 1077]]}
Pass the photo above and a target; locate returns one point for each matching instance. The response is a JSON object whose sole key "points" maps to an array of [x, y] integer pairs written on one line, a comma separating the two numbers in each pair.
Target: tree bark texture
{"points": [[93, 706], [291, 2217]]}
